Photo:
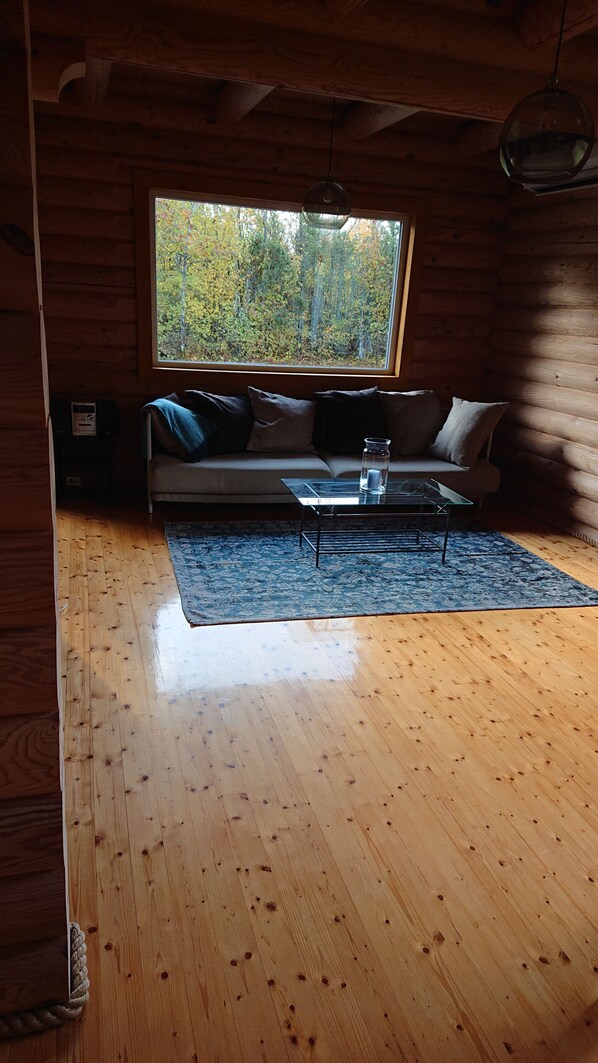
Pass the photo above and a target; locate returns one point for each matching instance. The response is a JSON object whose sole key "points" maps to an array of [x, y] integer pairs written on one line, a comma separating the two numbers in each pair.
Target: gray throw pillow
{"points": [[281, 423], [412, 420], [466, 429]]}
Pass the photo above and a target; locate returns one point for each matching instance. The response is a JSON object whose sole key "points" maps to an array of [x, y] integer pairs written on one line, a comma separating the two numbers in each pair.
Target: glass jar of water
{"points": [[374, 465]]}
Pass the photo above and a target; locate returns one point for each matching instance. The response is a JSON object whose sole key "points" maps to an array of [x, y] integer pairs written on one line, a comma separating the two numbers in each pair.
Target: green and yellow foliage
{"points": [[244, 285]]}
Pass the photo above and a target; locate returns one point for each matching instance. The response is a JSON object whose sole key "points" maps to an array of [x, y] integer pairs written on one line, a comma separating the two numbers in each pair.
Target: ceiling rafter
{"points": [[93, 87], [365, 119], [236, 99]]}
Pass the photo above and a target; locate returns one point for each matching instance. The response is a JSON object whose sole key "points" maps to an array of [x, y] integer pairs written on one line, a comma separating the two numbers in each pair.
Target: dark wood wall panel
{"points": [[34, 964], [32, 971], [544, 358], [85, 174]]}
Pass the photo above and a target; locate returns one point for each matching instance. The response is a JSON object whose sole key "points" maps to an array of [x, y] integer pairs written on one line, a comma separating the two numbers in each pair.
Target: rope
{"points": [[37, 1019]]}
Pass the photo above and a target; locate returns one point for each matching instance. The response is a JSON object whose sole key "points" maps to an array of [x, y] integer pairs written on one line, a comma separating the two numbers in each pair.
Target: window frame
{"points": [[149, 186]]}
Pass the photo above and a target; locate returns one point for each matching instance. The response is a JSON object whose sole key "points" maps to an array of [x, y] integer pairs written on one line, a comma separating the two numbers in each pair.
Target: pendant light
{"points": [[549, 135], [326, 205]]}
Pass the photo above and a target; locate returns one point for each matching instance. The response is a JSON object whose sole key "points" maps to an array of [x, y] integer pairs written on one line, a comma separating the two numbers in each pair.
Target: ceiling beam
{"points": [[93, 88], [365, 119], [195, 42], [236, 99], [540, 21], [410, 25]]}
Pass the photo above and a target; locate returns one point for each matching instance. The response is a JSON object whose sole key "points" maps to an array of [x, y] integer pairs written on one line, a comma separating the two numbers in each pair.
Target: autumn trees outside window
{"points": [[253, 286]]}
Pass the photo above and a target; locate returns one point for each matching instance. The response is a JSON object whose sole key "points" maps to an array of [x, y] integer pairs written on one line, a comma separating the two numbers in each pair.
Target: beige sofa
{"points": [[252, 476]]}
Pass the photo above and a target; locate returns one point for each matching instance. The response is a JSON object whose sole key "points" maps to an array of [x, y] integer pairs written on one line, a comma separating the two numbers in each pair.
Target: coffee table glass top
{"points": [[399, 492]]}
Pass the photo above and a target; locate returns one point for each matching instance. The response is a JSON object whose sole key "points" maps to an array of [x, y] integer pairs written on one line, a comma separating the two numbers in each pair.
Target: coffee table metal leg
{"points": [[318, 540], [301, 528], [446, 531]]}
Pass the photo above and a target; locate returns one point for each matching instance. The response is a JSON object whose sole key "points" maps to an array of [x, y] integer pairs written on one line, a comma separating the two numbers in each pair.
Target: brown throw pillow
{"points": [[466, 429], [281, 423], [412, 420]]}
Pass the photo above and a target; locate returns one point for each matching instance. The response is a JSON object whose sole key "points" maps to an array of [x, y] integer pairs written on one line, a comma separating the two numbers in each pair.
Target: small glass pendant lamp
{"points": [[326, 205]]}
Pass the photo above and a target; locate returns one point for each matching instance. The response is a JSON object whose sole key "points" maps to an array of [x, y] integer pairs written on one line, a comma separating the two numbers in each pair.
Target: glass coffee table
{"points": [[342, 516]]}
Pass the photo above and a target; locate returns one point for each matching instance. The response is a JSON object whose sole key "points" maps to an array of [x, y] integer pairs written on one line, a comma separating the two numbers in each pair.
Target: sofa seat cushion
{"points": [[246, 473], [479, 480]]}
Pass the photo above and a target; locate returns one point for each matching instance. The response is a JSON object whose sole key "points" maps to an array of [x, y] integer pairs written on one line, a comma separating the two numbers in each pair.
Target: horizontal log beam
{"points": [[249, 157], [29, 676], [564, 214], [120, 113], [541, 444], [545, 347], [31, 835], [564, 426], [34, 973], [439, 33], [549, 397], [29, 755], [549, 471], [581, 243], [25, 480], [236, 49], [27, 580], [559, 507], [545, 296], [23, 375], [578, 270], [565, 322], [33, 907]]}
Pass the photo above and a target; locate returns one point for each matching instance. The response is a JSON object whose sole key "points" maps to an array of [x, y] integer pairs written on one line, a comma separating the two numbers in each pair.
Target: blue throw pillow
{"points": [[180, 431]]}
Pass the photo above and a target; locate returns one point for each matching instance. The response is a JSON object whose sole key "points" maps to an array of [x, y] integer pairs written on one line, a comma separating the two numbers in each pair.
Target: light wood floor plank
{"points": [[353, 839]]}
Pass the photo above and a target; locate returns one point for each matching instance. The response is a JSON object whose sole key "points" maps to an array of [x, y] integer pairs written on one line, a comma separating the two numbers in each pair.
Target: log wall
{"points": [[34, 962], [87, 163], [544, 358]]}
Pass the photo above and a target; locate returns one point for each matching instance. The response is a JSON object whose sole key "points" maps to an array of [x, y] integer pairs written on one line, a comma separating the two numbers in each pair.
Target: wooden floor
{"points": [[334, 840]]}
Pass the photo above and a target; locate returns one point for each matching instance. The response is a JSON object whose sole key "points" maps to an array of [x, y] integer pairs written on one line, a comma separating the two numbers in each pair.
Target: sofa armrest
{"points": [[148, 458]]}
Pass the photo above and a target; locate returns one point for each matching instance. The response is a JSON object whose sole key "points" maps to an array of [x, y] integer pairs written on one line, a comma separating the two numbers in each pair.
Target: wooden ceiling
{"points": [[448, 71]]}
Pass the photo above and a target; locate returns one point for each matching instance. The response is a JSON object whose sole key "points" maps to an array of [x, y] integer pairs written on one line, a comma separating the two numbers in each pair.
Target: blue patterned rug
{"points": [[241, 572]]}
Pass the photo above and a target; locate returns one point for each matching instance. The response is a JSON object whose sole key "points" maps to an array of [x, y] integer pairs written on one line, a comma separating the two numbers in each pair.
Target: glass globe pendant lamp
{"points": [[326, 205], [548, 136]]}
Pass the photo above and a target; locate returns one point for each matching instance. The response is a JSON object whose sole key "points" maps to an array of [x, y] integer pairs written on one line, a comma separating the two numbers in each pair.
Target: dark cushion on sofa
{"points": [[281, 423], [231, 416], [345, 418], [412, 420]]}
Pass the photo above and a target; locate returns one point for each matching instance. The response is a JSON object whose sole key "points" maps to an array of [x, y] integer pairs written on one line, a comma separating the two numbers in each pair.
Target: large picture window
{"points": [[249, 286]]}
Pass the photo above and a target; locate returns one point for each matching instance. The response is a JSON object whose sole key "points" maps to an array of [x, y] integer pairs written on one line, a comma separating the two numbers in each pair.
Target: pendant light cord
{"points": [[554, 79], [329, 178]]}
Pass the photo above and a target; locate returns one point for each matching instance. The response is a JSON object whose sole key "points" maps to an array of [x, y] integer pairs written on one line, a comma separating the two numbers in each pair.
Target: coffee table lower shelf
{"points": [[323, 540]]}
